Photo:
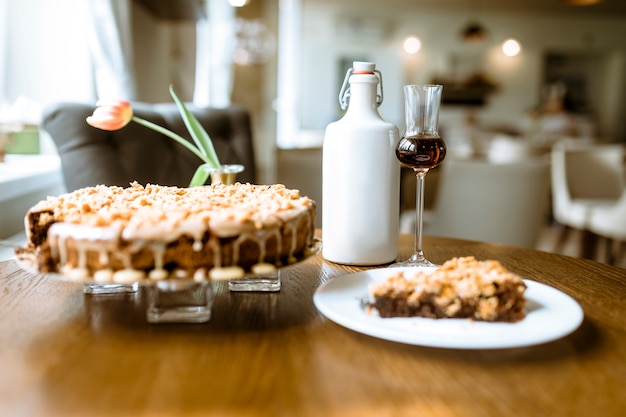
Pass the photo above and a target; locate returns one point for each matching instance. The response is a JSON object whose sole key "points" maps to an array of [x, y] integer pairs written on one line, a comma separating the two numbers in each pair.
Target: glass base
{"points": [[174, 301], [110, 288], [414, 261], [264, 283]]}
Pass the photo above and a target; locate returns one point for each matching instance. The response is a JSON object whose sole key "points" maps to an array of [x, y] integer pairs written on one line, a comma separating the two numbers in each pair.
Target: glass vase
{"points": [[225, 174]]}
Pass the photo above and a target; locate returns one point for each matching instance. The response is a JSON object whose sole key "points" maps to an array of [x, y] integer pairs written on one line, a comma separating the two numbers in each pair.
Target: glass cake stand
{"points": [[179, 301], [110, 288], [267, 282], [182, 300]]}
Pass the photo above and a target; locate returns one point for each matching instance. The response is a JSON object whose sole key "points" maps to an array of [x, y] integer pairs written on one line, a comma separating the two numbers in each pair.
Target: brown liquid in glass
{"points": [[421, 152]]}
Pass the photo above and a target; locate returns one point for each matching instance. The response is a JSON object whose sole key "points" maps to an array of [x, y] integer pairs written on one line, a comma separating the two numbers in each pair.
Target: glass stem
{"points": [[418, 253]]}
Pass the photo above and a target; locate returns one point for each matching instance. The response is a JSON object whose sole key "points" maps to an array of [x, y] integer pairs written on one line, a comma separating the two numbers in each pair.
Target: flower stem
{"points": [[172, 135]]}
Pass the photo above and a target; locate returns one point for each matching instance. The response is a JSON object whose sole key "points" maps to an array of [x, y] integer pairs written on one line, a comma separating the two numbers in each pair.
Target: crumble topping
{"points": [[167, 207], [457, 288]]}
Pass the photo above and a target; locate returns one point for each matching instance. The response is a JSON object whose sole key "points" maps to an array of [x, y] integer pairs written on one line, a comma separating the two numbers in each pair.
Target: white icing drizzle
{"points": [[214, 244], [227, 273], [263, 268], [103, 275], [158, 274], [158, 251], [180, 274], [104, 257], [237, 247], [260, 238], [128, 276], [279, 245], [100, 240], [78, 274], [201, 275], [156, 235]]}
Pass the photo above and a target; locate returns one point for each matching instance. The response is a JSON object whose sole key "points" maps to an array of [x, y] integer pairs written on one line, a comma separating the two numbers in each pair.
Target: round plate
{"points": [[30, 265], [551, 314]]}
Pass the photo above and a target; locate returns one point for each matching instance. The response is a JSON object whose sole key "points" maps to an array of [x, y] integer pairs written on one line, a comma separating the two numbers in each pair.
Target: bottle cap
{"points": [[359, 67]]}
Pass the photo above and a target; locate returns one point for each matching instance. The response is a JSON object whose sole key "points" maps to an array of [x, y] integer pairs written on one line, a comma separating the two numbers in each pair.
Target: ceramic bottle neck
{"points": [[363, 95]]}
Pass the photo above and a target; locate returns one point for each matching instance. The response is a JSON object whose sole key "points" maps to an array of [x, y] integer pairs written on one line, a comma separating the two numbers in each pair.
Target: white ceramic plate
{"points": [[551, 314]]}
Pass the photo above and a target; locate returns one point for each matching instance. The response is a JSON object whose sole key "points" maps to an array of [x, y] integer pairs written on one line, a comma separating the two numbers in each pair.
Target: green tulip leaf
{"points": [[199, 135], [200, 176]]}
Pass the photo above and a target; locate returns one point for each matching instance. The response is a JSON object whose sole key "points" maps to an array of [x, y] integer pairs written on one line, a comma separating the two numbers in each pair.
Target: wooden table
{"points": [[66, 354]]}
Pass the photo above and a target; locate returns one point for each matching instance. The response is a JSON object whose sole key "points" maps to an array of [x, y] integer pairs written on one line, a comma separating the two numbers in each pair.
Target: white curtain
{"points": [[215, 43], [289, 42], [111, 48], [112, 52]]}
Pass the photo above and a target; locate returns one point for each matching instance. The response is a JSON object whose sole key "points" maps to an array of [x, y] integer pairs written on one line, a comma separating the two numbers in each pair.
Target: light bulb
{"points": [[511, 47], [412, 45]]}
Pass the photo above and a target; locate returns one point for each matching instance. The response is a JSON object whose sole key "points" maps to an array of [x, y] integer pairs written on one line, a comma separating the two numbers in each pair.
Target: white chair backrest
{"points": [[502, 203], [505, 149], [584, 171], [593, 171]]}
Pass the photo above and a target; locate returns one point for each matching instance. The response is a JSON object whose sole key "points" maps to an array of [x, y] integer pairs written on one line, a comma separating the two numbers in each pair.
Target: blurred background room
{"points": [[520, 77]]}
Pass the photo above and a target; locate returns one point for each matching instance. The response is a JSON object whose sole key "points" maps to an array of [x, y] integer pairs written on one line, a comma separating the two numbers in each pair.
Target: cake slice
{"points": [[460, 288]]}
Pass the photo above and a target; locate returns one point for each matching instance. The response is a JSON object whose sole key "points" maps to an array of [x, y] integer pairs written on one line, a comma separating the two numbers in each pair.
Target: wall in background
{"points": [[331, 32], [164, 52]]}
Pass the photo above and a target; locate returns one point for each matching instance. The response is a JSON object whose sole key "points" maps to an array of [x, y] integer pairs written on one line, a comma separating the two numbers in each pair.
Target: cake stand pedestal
{"points": [[110, 288], [179, 301], [269, 282]]}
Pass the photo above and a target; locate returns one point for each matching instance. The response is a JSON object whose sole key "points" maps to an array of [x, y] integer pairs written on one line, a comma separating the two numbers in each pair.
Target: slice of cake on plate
{"points": [[460, 288]]}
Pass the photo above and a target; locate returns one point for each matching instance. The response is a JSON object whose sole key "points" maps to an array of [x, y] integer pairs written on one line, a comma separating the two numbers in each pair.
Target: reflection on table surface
{"points": [[63, 353]]}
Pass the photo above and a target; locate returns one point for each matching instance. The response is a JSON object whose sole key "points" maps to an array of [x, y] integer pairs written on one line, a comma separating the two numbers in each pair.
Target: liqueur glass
{"points": [[421, 148]]}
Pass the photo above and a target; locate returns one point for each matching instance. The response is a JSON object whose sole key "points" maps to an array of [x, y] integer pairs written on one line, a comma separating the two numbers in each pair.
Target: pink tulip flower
{"points": [[111, 114], [115, 114]]}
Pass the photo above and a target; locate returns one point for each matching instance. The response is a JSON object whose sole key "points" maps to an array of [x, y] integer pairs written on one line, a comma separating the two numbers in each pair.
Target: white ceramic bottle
{"points": [[360, 176]]}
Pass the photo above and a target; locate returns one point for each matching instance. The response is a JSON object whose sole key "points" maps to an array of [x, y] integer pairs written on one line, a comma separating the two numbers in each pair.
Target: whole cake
{"points": [[460, 288], [116, 234]]}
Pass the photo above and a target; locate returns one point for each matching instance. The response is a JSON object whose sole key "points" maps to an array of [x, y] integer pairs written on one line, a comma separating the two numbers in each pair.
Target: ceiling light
{"points": [[412, 45], [511, 47]]}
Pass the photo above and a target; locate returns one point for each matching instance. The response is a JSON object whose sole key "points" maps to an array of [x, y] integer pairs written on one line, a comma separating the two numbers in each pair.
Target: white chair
{"points": [[505, 149], [501, 203], [609, 222], [585, 176]]}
